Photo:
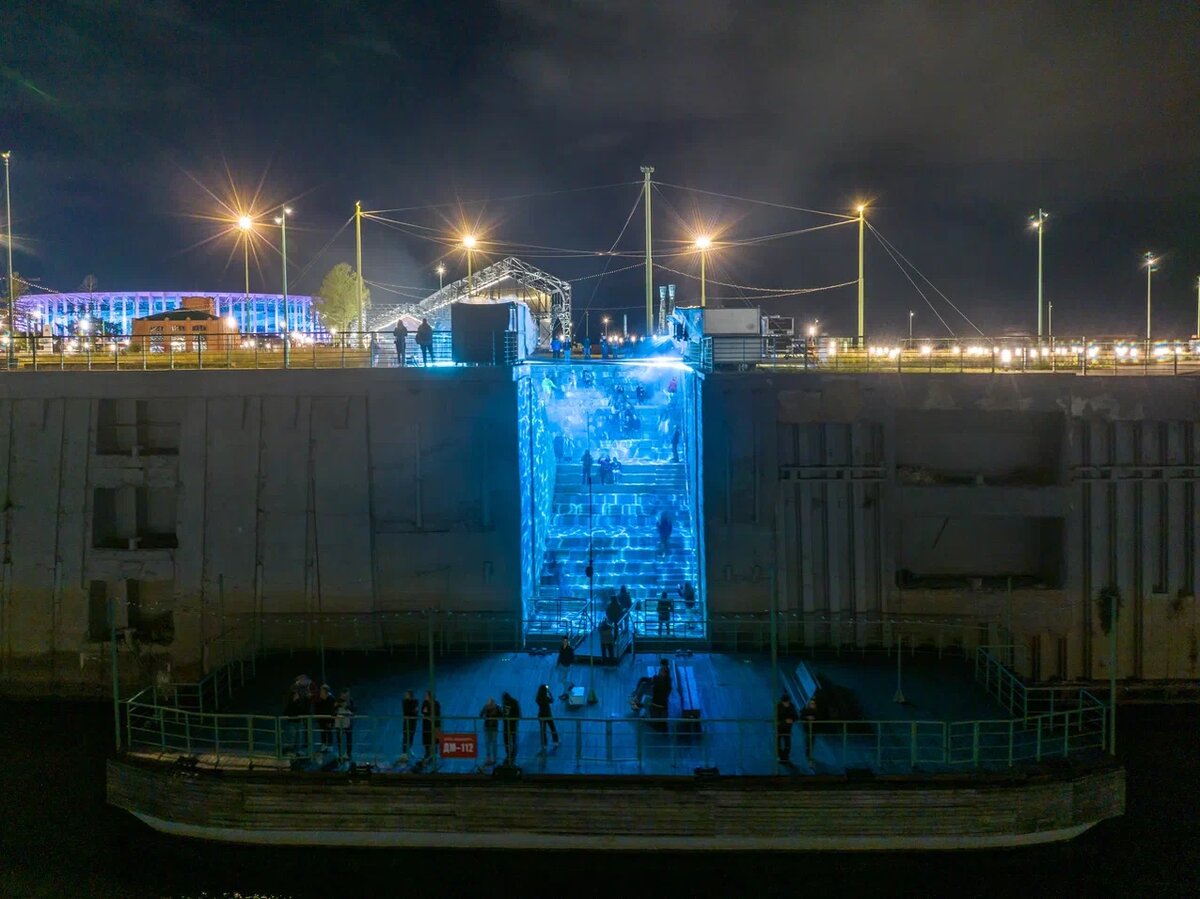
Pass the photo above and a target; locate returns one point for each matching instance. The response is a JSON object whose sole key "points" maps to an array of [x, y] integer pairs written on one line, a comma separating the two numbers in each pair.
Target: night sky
{"points": [[955, 122]]}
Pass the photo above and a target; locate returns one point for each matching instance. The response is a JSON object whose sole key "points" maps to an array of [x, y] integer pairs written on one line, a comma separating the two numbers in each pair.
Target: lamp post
{"points": [[281, 221], [862, 331], [703, 242], [1050, 320], [1037, 222], [911, 315], [1151, 267], [469, 242], [12, 292], [441, 271], [1198, 306], [245, 225], [605, 322]]}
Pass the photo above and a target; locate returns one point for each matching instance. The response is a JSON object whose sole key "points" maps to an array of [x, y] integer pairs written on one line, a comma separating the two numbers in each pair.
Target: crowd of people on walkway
{"points": [[332, 718]]}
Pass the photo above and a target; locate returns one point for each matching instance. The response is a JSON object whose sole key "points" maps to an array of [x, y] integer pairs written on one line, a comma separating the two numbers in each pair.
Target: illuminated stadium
{"points": [[60, 313]]}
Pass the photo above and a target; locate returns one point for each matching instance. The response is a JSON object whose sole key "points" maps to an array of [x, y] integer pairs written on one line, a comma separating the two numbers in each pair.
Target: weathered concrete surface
{"points": [[842, 487], [284, 491], [370, 490]]}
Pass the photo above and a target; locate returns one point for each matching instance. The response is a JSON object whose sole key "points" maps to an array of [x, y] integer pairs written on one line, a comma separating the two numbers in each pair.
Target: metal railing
{"points": [[610, 745], [987, 355], [170, 352]]}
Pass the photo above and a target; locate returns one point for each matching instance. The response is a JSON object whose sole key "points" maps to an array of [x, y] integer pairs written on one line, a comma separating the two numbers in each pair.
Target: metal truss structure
{"points": [[510, 279]]}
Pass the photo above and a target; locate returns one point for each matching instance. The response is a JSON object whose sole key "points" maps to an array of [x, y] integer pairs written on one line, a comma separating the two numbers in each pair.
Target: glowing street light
{"points": [[1038, 223], [604, 320], [911, 316], [703, 243], [1151, 267], [861, 209], [469, 242], [246, 225], [441, 271]]}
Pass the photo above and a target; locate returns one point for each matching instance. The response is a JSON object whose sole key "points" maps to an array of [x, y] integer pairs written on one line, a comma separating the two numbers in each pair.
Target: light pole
{"points": [[647, 190], [245, 224], [1050, 320], [281, 221], [469, 242], [703, 242], [12, 292], [1151, 264], [1037, 222], [1198, 306], [862, 331], [441, 271], [605, 322], [911, 315]]}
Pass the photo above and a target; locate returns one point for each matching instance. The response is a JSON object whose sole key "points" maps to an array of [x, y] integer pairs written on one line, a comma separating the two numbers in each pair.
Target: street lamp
{"points": [[861, 209], [469, 242], [911, 315], [1151, 267], [281, 221], [604, 320], [12, 292], [1038, 223], [245, 224], [703, 242], [441, 271]]}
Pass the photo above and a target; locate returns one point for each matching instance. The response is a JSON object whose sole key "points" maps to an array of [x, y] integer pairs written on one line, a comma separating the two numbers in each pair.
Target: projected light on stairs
{"points": [[626, 416]]}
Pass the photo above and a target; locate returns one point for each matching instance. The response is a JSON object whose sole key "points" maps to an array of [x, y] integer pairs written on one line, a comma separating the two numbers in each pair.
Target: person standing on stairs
{"points": [[512, 718], [586, 459], [664, 533], [665, 608], [675, 445]]}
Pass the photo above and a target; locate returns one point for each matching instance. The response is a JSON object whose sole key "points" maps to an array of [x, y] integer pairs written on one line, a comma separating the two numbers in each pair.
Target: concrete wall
{"points": [[345, 491], [922, 494], [360, 491]]}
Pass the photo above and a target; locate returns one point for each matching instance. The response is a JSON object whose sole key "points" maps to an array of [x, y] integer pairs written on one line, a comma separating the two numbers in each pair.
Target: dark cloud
{"points": [[956, 119]]}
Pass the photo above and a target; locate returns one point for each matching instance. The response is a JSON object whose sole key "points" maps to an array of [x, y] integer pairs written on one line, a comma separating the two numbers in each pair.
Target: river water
{"points": [[58, 838]]}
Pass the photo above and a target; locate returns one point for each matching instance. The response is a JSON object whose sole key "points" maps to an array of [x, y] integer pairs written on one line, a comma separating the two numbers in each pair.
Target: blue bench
{"points": [[689, 698]]}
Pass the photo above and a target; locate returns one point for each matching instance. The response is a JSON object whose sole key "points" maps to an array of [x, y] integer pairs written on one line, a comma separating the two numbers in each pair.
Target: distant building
{"points": [[256, 313], [195, 325]]}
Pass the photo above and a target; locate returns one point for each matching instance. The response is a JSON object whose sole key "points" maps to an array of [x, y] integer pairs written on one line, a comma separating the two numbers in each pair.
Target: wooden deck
{"points": [[618, 812]]}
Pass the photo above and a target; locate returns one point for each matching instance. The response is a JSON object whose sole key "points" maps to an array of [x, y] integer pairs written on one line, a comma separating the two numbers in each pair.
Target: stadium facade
{"points": [[261, 313]]}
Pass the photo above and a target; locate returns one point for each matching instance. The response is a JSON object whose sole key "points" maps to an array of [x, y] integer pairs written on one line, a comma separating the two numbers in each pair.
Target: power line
{"points": [[764, 292], [888, 243], [712, 193]]}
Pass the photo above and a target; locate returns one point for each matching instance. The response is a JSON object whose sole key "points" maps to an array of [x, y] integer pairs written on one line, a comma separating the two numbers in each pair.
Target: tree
{"points": [[337, 300], [89, 287]]}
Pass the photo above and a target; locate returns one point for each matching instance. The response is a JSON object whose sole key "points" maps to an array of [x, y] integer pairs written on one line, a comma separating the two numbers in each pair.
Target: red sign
{"points": [[458, 746]]}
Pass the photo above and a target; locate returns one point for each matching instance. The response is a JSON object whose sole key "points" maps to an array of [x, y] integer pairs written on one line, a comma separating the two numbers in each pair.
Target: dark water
{"points": [[58, 838]]}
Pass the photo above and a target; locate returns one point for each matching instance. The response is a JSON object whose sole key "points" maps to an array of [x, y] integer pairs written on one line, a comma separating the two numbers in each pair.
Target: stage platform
{"points": [[736, 696]]}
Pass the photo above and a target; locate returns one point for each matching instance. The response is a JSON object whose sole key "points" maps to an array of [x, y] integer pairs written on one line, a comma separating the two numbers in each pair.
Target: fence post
{"points": [[1010, 742], [975, 744], [187, 731], [217, 737], [608, 741], [1038, 752]]}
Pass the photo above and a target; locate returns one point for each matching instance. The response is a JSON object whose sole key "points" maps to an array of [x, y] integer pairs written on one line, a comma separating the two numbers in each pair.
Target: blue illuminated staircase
{"points": [[623, 531]]}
